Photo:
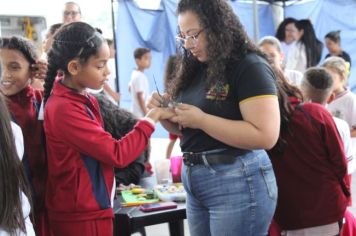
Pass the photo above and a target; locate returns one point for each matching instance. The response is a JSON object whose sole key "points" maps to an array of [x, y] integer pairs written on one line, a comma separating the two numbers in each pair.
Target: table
{"points": [[130, 219]]}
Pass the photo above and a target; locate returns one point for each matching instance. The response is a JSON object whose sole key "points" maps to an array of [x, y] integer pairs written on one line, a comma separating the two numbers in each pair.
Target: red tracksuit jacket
{"points": [[310, 171], [81, 156]]}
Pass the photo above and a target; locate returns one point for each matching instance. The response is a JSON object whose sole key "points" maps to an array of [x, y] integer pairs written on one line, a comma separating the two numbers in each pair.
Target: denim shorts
{"points": [[231, 199]]}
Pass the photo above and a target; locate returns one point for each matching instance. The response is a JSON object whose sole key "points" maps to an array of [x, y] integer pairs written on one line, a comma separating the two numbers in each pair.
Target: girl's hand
{"points": [[39, 69], [188, 116], [160, 113]]}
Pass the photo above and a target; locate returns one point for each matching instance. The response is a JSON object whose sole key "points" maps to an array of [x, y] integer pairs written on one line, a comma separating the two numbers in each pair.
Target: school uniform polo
{"points": [[81, 156]]}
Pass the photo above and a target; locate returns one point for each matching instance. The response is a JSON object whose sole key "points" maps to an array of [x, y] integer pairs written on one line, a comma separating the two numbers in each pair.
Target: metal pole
{"points": [[117, 84], [256, 33]]}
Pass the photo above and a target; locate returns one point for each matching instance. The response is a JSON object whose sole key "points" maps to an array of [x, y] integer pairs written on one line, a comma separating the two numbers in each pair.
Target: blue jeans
{"points": [[231, 199]]}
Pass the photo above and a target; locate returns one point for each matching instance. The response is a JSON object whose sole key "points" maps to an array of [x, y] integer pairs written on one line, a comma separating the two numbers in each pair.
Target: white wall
{"points": [[95, 12]]}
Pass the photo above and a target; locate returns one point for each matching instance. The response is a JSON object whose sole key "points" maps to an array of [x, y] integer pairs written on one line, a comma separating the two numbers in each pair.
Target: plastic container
{"points": [[176, 168], [170, 192], [162, 171]]}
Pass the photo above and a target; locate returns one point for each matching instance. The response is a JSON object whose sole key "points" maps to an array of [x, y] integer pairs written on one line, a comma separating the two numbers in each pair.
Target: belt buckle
{"points": [[186, 158]]}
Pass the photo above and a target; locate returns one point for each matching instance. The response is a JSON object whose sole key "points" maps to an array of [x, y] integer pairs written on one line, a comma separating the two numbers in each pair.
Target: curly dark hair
{"points": [[25, 46], [169, 72], [226, 41], [74, 40], [284, 91], [118, 122]]}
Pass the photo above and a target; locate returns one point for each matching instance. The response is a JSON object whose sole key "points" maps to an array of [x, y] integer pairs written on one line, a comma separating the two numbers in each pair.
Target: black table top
{"points": [[148, 182], [130, 219]]}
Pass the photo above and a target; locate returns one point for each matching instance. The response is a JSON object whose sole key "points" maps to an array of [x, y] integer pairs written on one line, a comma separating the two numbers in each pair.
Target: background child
{"points": [[344, 104], [333, 44], [81, 154], [138, 85], [272, 48], [317, 86], [286, 34], [308, 175], [20, 65], [49, 37], [110, 85]]}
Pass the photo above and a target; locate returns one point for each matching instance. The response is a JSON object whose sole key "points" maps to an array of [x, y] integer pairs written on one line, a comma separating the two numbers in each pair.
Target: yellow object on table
{"points": [[135, 199]]}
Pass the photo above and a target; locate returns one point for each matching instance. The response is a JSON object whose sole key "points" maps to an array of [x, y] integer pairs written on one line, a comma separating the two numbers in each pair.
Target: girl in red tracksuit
{"points": [[81, 155], [19, 57]]}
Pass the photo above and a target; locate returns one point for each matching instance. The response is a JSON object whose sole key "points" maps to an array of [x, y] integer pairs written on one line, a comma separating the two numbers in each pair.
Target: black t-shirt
{"points": [[344, 55], [251, 77]]}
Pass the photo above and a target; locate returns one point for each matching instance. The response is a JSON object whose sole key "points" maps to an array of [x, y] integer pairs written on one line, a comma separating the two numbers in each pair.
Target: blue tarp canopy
{"points": [[156, 29]]}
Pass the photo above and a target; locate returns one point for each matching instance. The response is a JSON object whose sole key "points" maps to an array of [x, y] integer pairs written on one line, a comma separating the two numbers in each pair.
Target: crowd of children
{"points": [[85, 144]]}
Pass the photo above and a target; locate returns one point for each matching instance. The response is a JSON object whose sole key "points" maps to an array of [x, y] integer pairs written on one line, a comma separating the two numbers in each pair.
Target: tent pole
{"points": [[117, 84], [256, 35]]}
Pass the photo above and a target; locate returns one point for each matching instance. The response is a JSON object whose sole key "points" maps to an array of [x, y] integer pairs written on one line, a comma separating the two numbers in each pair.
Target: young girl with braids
{"points": [[15, 194], [81, 155], [20, 66]]}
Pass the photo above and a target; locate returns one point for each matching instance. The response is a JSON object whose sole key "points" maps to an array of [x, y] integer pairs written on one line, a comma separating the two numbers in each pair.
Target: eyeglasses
{"points": [[193, 38], [71, 13]]}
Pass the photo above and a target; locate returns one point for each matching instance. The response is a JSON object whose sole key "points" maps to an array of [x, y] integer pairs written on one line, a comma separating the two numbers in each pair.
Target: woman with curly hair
{"points": [[227, 114]]}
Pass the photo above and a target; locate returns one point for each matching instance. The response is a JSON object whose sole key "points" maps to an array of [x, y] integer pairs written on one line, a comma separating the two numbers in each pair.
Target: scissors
{"points": [[164, 101], [154, 79]]}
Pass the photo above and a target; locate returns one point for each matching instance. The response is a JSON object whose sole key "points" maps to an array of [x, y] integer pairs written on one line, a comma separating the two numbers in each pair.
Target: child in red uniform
{"points": [[81, 155], [310, 166], [20, 67]]}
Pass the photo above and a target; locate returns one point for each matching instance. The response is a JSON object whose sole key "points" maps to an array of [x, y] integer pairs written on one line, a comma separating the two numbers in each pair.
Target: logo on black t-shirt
{"points": [[219, 91]]}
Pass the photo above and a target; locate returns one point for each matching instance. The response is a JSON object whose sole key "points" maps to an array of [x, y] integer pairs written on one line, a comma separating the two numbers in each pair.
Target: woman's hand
{"points": [[154, 101], [39, 69], [158, 100], [188, 116]]}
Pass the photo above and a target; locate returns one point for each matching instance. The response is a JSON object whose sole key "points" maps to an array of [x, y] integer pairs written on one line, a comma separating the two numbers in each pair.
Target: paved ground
{"points": [[162, 229]]}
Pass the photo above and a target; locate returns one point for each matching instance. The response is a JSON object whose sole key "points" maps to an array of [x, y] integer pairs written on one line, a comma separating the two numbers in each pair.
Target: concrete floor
{"points": [[158, 153]]}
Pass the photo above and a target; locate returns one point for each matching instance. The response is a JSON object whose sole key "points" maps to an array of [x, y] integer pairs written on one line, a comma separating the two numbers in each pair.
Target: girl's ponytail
{"points": [[52, 71]]}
